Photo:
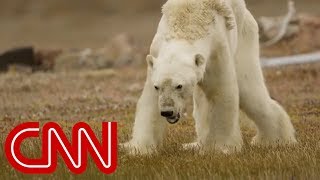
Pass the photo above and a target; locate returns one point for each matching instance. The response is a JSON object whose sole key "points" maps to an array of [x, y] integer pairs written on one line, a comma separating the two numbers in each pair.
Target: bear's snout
{"points": [[167, 113], [171, 117]]}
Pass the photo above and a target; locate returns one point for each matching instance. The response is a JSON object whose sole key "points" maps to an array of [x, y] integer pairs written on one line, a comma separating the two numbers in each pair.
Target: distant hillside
{"points": [[53, 7]]}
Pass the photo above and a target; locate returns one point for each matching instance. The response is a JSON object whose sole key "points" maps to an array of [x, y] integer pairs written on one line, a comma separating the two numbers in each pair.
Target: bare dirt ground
{"points": [[110, 95]]}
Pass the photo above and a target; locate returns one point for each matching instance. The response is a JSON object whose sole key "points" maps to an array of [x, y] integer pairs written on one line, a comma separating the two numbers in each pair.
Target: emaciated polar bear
{"points": [[208, 49]]}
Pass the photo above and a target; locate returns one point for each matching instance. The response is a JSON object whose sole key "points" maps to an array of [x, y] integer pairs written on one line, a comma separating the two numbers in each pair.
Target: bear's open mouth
{"points": [[174, 119]]}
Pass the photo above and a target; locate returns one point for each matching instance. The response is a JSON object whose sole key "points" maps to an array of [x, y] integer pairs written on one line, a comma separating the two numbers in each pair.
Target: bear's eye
{"points": [[179, 87], [156, 87]]}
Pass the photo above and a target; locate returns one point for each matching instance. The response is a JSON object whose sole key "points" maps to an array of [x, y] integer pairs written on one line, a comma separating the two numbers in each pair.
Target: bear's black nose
{"points": [[167, 113]]}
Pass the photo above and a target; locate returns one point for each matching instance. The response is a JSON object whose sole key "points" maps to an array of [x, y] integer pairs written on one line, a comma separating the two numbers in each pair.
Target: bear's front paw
{"points": [[137, 149], [191, 146], [204, 149]]}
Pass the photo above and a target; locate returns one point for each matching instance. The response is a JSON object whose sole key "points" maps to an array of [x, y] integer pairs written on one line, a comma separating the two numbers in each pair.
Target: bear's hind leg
{"points": [[273, 123]]}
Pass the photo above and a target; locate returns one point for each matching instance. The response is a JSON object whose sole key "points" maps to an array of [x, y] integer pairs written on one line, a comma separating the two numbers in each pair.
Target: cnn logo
{"points": [[54, 142]]}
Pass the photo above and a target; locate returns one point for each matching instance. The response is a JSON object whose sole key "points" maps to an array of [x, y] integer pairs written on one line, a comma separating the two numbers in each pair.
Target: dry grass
{"points": [[111, 95]]}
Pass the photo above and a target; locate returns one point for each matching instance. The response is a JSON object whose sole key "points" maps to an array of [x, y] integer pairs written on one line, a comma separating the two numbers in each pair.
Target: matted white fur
{"points": [[219, 66], [190, 19]]}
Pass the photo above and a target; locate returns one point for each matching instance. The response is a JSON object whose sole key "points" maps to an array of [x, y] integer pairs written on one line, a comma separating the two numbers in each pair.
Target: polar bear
{"points": [[208, 49]]}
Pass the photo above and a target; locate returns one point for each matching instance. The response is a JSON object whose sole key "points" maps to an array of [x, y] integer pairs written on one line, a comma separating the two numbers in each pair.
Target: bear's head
{"points": [[174, 79]]}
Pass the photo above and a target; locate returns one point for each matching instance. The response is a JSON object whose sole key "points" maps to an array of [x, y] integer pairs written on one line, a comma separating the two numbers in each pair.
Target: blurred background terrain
{"points": [[83, 23]]}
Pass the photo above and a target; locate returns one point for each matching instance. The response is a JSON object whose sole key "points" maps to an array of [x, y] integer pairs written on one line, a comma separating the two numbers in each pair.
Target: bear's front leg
{"points": [[217, 122], [149, 127], [216, 106]]}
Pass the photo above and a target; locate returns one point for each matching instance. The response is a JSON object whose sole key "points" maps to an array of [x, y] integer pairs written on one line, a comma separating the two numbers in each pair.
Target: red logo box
{"points": [[74, 153]]}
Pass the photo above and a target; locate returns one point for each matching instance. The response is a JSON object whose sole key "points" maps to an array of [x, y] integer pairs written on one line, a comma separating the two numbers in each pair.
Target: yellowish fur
{"points": [[190, 19]]}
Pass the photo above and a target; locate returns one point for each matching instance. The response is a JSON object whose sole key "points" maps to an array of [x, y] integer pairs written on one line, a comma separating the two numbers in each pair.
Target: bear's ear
{"points": [[150, 60], [199, 60]]}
